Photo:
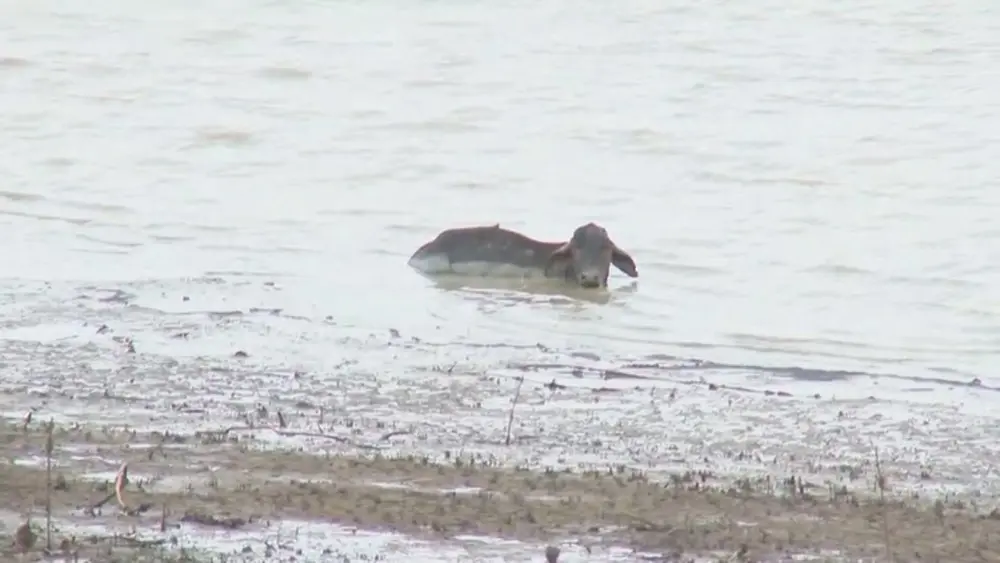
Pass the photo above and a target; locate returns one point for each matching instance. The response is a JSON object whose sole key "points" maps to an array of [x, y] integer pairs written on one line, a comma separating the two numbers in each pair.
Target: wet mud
{"points": [[250, 413], [225, 480]]}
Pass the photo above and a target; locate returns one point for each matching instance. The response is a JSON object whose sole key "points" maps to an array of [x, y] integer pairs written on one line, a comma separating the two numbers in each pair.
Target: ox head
{"points": [[588, 255]]}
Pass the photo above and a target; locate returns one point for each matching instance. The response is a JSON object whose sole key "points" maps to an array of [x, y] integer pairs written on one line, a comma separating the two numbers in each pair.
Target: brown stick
{"points": [[49, 447], [510, 419], [388, 435], [100, 503], [880, 482]]}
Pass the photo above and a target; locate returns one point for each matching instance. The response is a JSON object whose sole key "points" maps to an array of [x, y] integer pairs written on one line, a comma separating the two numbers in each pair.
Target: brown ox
{"points": [[490, 251]]}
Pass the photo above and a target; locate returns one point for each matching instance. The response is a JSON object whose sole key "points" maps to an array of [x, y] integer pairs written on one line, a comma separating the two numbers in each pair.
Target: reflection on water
{"points": [[529, 290]]}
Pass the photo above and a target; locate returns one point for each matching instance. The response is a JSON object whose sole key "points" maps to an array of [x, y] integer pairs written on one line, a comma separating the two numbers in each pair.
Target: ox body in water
{"points": [[490, 251]]}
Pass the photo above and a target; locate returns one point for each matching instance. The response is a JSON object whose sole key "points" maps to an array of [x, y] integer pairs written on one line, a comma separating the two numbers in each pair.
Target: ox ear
{"points": [[623, 261], [560, 259]]}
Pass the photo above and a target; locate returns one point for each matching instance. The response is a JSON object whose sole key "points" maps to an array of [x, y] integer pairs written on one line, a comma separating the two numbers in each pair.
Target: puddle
{"points": [[305, 541]]}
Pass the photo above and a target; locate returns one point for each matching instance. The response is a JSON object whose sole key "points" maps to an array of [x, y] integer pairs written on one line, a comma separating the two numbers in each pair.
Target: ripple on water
{"points": [[14, 62], [222, 136], [20, 196], [809, 195], [285, 73]]}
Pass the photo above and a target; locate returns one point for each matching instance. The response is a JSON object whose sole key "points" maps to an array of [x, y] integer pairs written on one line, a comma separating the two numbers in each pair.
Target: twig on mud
{"points": [[116, 492], [137, 542], [341, 439], [510, 419], [231, 523], [641, 524], [100, 503], [49, 447], [121, 481], [394, 433], [880, 482]]}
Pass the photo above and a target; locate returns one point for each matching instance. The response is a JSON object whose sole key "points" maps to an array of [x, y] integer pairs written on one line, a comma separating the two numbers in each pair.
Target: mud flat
{"points": [[255, 433], [182, 486]]}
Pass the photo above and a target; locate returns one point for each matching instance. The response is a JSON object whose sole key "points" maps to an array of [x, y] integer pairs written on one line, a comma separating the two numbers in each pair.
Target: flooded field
{"points": [[207, 213]]}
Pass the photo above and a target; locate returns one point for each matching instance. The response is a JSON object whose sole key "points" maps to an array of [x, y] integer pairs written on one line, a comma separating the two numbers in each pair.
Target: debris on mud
{"points": [[355, 429], [226, 485]]}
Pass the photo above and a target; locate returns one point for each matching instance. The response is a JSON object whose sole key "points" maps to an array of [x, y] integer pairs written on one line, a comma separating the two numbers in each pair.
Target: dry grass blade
{"points": [[49, 448], [880, 483], [120, 481], [510, 419]]}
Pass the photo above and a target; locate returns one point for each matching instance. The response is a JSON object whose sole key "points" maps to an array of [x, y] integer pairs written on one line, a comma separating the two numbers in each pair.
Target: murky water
{"points": [[809, 193], [799, 186]]}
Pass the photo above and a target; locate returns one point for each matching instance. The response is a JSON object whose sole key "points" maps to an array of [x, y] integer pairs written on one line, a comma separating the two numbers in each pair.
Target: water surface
{"points": [[801, 187]]}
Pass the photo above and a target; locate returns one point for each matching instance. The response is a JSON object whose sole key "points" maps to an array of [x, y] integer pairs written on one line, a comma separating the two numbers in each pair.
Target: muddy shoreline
{"points": [[241, 418], [226, 480]]}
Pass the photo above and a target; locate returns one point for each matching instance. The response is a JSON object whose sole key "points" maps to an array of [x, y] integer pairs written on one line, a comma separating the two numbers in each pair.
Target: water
{"points": [[803, 187], [800, 186]]}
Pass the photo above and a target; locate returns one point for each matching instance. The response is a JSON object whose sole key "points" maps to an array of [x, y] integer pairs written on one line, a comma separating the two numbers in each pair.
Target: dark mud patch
{"points": [[233, 484]]}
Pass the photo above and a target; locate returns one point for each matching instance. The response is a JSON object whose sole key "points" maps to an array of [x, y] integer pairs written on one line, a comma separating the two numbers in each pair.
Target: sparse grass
{"points": [[751, 519]]}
